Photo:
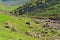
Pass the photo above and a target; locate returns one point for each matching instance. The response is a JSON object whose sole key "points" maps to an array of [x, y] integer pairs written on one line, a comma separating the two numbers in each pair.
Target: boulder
{"points": [[8, 25], [33, 34], [14, 29], [37, 21], [28, 23]]}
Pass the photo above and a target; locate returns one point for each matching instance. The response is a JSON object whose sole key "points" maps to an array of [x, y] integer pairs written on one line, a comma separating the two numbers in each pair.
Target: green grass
{"points": [[6, 34]]}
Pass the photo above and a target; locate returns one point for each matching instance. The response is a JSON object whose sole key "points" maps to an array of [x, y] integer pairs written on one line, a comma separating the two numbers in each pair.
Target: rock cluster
{"points": [[51, 24], [33, 34], [9, 25]]}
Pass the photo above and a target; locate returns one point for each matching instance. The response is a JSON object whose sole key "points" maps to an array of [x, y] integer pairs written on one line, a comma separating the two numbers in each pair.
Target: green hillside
{"points": [[36, 20], [6, 34], [20, 24]]}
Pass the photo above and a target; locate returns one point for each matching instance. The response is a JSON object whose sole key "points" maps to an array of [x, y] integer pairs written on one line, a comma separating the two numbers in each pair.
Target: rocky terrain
{"points": [[35, 20]]}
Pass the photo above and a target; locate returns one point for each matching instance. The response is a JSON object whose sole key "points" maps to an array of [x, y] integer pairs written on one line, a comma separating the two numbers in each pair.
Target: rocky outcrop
{"points": [[38, 6]]}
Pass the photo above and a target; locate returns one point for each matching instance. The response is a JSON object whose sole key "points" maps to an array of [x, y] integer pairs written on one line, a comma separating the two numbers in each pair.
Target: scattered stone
{"points": [[57, 39], [51, 24], [33, 34], [37, 21], [51, 21], [14, 29], [55, 28], [58, 21], [46, 25], [8, 25], [53, 31], [28, 23], [39, 36], [43, 35], [51, 18], [50, 27], [47, 20], [44, 32], [30, 26]]}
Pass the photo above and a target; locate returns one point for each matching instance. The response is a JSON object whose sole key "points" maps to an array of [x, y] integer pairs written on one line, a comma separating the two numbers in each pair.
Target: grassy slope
{"points": [[6, 34]]}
